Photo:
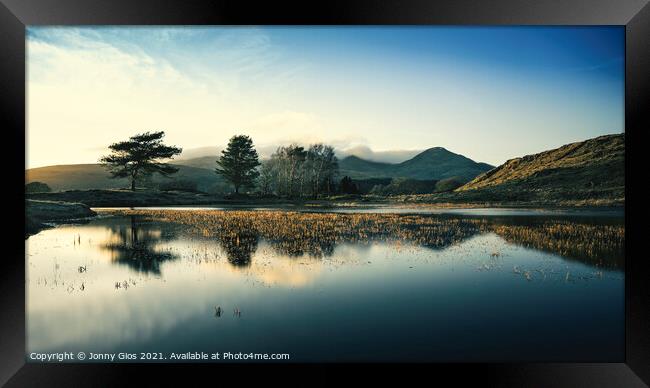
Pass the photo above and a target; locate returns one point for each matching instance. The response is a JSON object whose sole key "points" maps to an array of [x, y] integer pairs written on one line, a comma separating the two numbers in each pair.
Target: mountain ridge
{"points": [[434, 163]]}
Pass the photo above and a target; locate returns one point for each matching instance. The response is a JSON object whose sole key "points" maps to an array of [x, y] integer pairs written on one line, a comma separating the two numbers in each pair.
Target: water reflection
{"points": [[448, 283], [592, 243], [316, 235], [240, 247], [136, 245]]}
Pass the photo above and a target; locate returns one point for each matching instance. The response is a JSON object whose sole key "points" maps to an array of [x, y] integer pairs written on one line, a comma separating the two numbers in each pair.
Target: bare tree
{"points": [[294, 171]]}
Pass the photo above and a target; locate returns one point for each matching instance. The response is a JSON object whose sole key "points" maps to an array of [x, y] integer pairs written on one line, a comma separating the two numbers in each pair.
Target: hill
{"points": [[206, 162], [439, 163], [591, 172], [94, 176], [355, 167], [433, 164]]}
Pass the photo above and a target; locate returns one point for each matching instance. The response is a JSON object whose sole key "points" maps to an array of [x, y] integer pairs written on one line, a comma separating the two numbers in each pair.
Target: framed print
{"points": [[211, 186]]}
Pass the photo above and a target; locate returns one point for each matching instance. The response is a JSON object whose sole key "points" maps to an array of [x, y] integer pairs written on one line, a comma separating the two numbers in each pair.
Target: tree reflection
{"points": [[297, 246], [134, 245], [240, 247], [316, 234], [598, 243]]}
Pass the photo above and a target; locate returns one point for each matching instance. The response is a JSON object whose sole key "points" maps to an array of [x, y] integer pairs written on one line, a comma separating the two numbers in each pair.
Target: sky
{"points": [[489, 93]]}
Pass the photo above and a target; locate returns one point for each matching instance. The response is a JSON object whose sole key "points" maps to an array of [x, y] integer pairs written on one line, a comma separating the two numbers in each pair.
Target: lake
{"points": [[386, 285]]}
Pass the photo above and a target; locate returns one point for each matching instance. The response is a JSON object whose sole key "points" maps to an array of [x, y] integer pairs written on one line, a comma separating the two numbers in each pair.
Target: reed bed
{"points": [[316, 234], [601, 245]]}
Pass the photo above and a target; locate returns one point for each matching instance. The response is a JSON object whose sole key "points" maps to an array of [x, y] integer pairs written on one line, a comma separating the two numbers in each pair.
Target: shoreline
{"points": [[45, 210], [40, 215], [152, 198]]}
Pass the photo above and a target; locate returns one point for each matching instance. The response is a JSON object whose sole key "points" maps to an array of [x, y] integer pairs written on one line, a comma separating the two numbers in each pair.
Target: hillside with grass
{"points": [[205, 162], [590, 172], [94, 176]]}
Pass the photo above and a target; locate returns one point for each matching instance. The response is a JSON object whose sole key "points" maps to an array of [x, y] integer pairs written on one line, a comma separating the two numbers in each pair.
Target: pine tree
{"points": [[238, 162], [140, 156]]}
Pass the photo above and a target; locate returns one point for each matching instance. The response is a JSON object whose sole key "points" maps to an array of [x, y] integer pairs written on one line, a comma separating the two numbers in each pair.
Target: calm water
{"points": [[332, 287]]}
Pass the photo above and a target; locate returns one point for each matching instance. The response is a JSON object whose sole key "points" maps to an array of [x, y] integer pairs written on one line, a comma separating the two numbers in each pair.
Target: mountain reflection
{"points": [[134, 245]]}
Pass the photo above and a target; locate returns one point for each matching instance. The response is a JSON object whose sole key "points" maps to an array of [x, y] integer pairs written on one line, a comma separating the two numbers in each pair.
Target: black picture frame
{"points": [[15, 15]]}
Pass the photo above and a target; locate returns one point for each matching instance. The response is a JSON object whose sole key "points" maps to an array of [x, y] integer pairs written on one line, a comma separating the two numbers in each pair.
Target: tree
{"points": [[401, 186], [449, 184], [295, 171], [139, 157], [330, 168], [238, 162], [322, 166], [296, 156], [268, 176], [347, 186], [37, 187]]}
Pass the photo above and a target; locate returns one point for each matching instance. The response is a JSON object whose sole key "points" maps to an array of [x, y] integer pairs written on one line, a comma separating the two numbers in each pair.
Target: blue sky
{"points": [[490, 93]]}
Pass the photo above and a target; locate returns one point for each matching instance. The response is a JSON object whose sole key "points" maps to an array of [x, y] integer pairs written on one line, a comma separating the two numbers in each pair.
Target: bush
{"points": [[401, 186], [219, 188], [366, 185], [179, 185], [347, 186], [37, 187], [448, 184]]}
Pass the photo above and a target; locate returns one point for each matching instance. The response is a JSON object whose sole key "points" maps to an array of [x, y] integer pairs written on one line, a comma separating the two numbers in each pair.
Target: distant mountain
{"points": [[94, 176], [590, 170], [364, 152], [439, 163], [354, 165], [191, 153], [433, 164], [206, 162], [199, 157]]}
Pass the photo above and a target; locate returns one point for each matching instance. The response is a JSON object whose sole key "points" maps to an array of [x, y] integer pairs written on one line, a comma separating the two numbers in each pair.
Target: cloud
{"points": [[364, 152], [266, 150], [199, 152], [84, 95], [88, 87]]}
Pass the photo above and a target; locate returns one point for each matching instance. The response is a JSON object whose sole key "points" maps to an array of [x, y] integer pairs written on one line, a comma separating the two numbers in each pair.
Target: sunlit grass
{"points": [[602, 245], [317, 234]]}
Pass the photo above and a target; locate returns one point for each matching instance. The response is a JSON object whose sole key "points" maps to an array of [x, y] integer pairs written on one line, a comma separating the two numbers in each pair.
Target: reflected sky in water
{"points": [[133, 283]]}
